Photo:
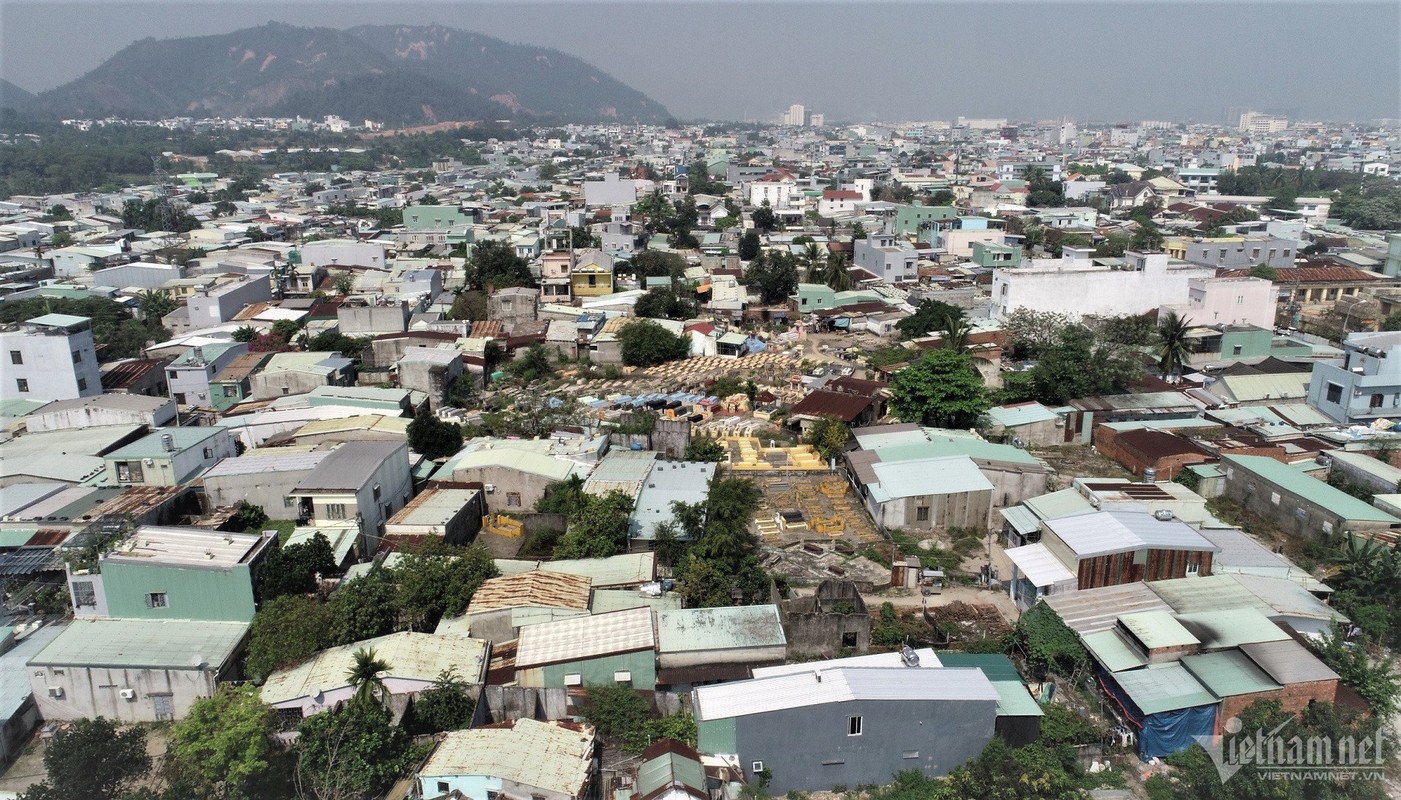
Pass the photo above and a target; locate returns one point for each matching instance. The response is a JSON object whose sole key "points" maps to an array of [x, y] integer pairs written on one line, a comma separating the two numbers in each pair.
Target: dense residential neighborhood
{"points": [[977, 457]]}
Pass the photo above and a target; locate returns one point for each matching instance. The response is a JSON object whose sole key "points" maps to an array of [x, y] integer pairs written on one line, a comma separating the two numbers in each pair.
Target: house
{"points": [[49, 357], [1229, 301], [1234, 252], [101, 409], [697, 646], [502, 606], [262, 477], [191, 375], [133, 670], [816, 728], [361, 481], [19, 713], [217, 304], [1078, 285], [1154, 454], [234, 383], [515, 759], [441, 512], [431, 370], [1366, 386], [592, 274], [851, 408], [666, 482], [834, 614], [617, 648], [514, 480], [514, 304], [1014, 473], [1124, 196], [1030, 424], [778, 188], [1106, 548], [170, 456], [170, 573], [142, 376], [361, 319], [889, 258], [947, 492], [415, 661], [839, 202], [299, 373], [670, 770], [329, 254], [1298, 504]]}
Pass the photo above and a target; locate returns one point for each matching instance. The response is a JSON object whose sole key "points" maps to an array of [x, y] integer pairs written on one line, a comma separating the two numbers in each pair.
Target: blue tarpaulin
{"points": [[1166, 732]]}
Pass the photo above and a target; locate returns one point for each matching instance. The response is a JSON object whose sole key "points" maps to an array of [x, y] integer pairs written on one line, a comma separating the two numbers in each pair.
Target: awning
{"points": [[1039, 565]]}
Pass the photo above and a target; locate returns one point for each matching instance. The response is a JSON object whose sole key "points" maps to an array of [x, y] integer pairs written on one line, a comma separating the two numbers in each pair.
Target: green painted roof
{"points": [[1110, 649], [1231, 627], [1157, 629], [995, 666], [1314, 491], [153, 444], [955, 446], [1229, 673], [1166, 688], [1013, 700], [726, 628], [136, 644], [1061, 503], [669, 769]]}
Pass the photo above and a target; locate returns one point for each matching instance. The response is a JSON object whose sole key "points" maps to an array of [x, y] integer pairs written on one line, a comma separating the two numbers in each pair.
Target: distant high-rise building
{"points": [[1258, 124], [817, 120], [796, 115]]}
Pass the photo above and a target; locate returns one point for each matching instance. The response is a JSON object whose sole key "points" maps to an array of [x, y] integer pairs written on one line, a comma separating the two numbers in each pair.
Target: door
{"points": [[164, 706]]}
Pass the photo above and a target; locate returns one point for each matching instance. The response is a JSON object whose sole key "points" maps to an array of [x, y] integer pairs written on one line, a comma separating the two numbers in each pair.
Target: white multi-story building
{"points": [[778, 188], [1076, 286], [51, 357], [796, 115], [216, 304], [1257, 124]]}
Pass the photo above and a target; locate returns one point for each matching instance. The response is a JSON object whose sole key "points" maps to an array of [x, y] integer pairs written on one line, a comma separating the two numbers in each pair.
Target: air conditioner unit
{"points": [[55, 691], [490, 488], [127, 694]]}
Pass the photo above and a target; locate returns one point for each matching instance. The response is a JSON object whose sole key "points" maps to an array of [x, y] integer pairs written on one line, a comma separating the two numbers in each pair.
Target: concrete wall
{"points": [[221, 303], [266, 489], [1085, 290], [96, 416], [373, 320], [95, 691], [506, 480], [960, 510], [808, 749], [1291, 513], [47, 366]]}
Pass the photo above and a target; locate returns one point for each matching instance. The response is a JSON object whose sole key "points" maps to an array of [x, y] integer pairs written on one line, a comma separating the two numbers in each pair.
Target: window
{"points": [[622, 676], [513, 499], [756, 767], [208, 452], [289, 501], [573, 679], [157, 600], [82, 384], [1375, 402], [335, 511], [284, 390], [84, 595], [1334, 393], [16, 357], [1274, 497], [849, 639], [910, 754], [443, 787], [922, 514], [77, 356], [1235, 350], [853, 726], [1194, 568], [230, 391], [22, 384]]}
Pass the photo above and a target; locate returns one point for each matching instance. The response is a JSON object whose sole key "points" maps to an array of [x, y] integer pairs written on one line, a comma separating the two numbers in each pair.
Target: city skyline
{"points": [[1018, 60]]}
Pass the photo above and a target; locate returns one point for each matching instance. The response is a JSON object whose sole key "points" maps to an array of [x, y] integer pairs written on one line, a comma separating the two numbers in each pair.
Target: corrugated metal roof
{"points": [[1039, 565], [15, 686], [1314, 491], [671, 765], [1287, 661], [1062, 503], [137, 644], [605, 600], [1204, 593], [349, 466], [555, 469], [1229, 673], [996, 666], [930, 476], [1021, 519], [670, 482], [1374, 467], [1157, 629], [556, 757], [1166, 688], [728, 628], [840, 685], [928, 659], [621, 470], [938, 446], [1090, 610], [1013, 700], [267, 460], [1239, 550], [1287, 597], [410, 656], [1020, 414], [1112, 651], [1119, 531], [581, 638], [534, 588], [1231, 627], [1250, 388]]}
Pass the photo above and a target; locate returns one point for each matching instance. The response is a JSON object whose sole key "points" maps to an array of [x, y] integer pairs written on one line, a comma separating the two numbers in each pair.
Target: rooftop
{"points": [[153, 444], [186, 547], [841, 685], [726, 628], [534, 588], [580, 638], [349, 467], [1157, 629], [1106, 532], [670, 482], [267, 460], [410, 656], [143, 644], [436, 505], [1164, 688], [949, 475], [553, 756], [1312, 490], [1229, 673]]}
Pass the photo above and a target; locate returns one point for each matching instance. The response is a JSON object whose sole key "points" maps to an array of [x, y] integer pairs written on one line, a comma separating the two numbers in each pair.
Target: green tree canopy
{"points": [[224, 746], [705, 450], [286, 630], [1174, 345], [774, 275], [352, 752], [433, 437], [445, 706], [438, 580], [749, 245], [665, 303], [930, 317], [828, 436], [598, 529], [532, 364], [942, 388], [92, 758], [495, 263], [364, 608], [293, 569], [645, 343]]}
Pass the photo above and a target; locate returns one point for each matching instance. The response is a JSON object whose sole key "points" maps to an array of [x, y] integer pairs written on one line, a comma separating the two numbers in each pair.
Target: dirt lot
{"points": [[1073, 461]]}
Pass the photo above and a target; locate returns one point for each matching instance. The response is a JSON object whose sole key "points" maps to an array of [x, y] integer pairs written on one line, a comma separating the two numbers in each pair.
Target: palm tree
{"points": [[955, 334], [812, 259], [1174, 348], [836, 274], [366, 676]]}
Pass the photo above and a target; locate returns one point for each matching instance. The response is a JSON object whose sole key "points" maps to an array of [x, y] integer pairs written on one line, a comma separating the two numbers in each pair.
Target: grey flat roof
{"points": [[138, 644], [349, 466]]}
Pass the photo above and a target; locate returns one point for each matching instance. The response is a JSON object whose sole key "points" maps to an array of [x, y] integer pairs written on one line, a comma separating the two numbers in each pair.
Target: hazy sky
{"points": [[1126, 60]]}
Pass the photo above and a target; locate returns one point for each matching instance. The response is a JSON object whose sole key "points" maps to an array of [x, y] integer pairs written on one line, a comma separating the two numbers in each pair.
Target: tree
{"points": [[445, 706], [294, 569], [645, 343], [729, 510], [351, 753], [705, 450], [942, 389], [1033, 772], [344, 283], [598, 529], [1174, 345], [247, 517], [763, 217], [366, 676], [657, 264], [774, 274], [224, 745], [930, 316], [1048, 645], [92, 758], [438, 580], [749, 245], [364, 608], [828, 436], [245, 333], [664, 303], [1147, 238], [1373, 676], [1079, 366], [286, 330], [1392, 322], [533, 364], [563, 497], [286, 630], [620, 715], [155, 303], [433, 437], [495, 264], [715, 583], [61, 239]]}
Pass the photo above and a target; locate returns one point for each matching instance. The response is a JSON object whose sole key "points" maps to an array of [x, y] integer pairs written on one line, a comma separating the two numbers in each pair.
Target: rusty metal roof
{"points": [[534, 588]]}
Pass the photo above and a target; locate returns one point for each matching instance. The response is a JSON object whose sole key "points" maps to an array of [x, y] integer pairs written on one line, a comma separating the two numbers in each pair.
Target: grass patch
{"points": [[284, 528]]}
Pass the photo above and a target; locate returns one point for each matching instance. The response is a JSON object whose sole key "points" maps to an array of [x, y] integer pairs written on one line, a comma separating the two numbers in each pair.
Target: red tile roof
{"points": [[840, 194], [1319, 274]]}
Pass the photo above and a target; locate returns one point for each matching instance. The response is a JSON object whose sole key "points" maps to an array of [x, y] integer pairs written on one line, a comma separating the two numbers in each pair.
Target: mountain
{"points": [[11, 96], [534, 80], [400, 75]]}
